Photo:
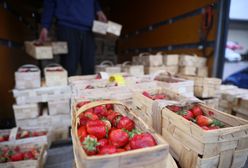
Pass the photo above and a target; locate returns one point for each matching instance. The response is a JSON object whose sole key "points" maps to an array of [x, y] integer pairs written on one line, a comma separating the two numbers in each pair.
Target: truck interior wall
{"points": [[137, 14], [12, 56]]}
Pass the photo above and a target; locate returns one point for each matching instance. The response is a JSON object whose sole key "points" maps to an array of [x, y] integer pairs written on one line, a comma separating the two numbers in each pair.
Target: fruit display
{"points": [[103, 130], [195, 114], [18, 153]]}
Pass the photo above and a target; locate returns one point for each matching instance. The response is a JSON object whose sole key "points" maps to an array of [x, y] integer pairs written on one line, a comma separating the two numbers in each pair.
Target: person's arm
{"points": [[47, 16], [100, 15]]}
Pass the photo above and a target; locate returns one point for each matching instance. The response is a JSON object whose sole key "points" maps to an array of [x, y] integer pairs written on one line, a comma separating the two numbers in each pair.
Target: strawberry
{"points": [[203, 121], [127, 147], [6, 137], [89, 145], [197, 111], [102, 143], [80, 104], [187, 115], [3, 159], [142, 140], [112, 115], [17, 157], [82, 133], [25, 134], [174, 108], [119, 150], [2, 138], [125, 123], [158, 97], [17, 149], [146, 94], [107, 123], [109, 106], [118, 138], [101, 111], [96, 128], [86, 116], [28, 155], [107, 149]]}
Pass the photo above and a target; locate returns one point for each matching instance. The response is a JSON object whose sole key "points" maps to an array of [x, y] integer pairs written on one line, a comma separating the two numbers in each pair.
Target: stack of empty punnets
{"points": [[193, 65], [108, 67], [30, 108]]}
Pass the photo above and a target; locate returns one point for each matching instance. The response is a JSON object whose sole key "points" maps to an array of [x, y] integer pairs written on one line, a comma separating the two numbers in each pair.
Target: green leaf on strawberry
{"points": [[218, 123]]}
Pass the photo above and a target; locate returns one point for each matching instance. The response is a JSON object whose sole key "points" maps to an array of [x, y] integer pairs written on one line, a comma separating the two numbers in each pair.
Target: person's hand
{"points": [[43, 35], [101, 16]]}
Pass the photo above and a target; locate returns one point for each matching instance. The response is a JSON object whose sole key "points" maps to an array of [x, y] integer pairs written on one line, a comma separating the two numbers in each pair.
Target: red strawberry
{"points": [[6, 137], [97, 128], [17, 157], [112, 115], [197, 111], [126, 123], [142, 140], [2, 138], [187, 115], [109, 106], [118, 138], [127, 147], [158, 97], [28, 155], [146, 94], [25, 134], [102, 143], [82, 133], [107, 149], [107, 123], [101, 111], [91, 115], [203, 121], [17, 149], [174, 108], [89, 145], [80, 104]]}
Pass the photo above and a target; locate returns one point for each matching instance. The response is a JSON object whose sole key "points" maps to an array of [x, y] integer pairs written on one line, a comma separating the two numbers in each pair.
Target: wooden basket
{"points": [[59, 47], [55, 75], [114, 28], [39, 52], [39, 163], [59, 107], [100, 27], [192, 61], [149, 60], [170, 59], [194, 147], [40, 140], [176, 84], [135, 70], [141, 158], [144, 107], [151, 70], [202, 71], [212, 102], [108, 66], [187, 70], [26, 111], [27, 80]]}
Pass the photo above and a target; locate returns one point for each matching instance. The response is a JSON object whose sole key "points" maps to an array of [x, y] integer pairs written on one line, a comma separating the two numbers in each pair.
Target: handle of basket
{"points": [[28, 66], [13, 133], [126, 63], [143, 54], [107, 63], [97, 103], [53, 65]]}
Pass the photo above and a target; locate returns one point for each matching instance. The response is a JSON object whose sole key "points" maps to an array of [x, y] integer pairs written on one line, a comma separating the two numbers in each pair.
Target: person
{"points": [[74, 23]]}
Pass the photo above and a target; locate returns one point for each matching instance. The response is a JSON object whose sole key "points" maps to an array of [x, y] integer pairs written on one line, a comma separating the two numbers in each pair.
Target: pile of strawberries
{"points": [[159, 96], [104, 131], [14, 154], [196, 115], [23, 134]]}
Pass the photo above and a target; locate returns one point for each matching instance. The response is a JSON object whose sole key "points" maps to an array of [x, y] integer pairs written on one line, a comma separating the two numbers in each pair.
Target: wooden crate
{"points": [[43, 94], [212, 102], [107, 66], [202, 71], [170, 59], [59, 107], [61, 133], [100, 27], [59, 47], [195, 147], [151, 70], [39, 52], [43, 121], [142, 158], [137, 60], [40, 140], [144, 107], [134, 70], [27, 77], [204, 87], [192, 61], [26, 111], [176, 84], [149, 60], [114, 28], [187, 70], [55, 75], [39, 163]]}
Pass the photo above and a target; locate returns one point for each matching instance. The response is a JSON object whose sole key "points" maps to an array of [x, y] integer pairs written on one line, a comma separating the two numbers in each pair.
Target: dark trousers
{"points": [[81, 47]]}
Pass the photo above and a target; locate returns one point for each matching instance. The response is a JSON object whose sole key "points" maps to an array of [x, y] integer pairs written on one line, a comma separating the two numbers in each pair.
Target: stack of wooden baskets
{"points": [[191, 145]]}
